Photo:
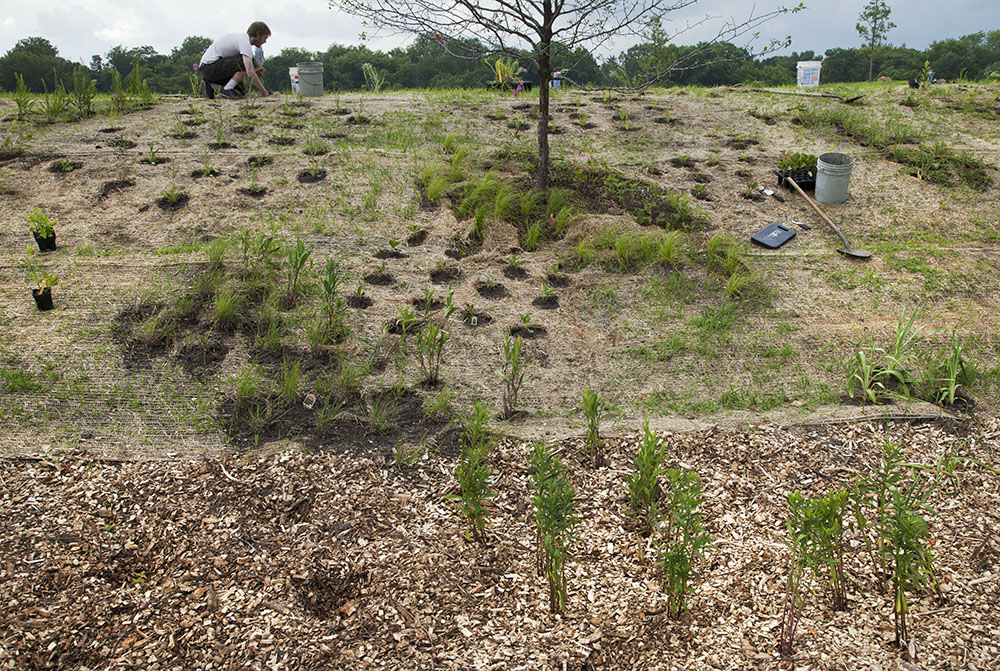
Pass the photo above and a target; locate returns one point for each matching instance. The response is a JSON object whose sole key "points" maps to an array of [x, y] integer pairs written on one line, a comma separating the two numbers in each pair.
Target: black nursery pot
{"points": [[43, 298], [45, 244], [806, 179]]}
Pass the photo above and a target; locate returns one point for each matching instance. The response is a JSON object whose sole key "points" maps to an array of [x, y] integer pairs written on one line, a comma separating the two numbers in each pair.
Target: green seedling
{"points": [[555, 522], [513, 374], [473, 471], [644, 483], [683, 540], [592, 411], [40, 224]]}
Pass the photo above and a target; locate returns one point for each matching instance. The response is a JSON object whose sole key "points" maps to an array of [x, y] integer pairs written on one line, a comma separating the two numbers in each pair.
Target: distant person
{"points": [[230, 59]]}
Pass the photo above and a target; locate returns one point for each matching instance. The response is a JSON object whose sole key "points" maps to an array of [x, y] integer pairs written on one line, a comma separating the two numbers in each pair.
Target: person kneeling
{"points": [[229, 60]]}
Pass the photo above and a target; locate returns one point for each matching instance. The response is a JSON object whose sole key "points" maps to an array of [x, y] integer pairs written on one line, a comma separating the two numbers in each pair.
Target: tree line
{"points": [[425, 64]]}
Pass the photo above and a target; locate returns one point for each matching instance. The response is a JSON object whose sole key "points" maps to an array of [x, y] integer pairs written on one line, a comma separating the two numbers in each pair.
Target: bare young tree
{"points": [[873, 26], [542, 29]]}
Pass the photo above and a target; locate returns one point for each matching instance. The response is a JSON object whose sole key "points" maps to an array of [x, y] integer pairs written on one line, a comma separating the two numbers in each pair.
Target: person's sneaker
{"points": [[231, 94]]}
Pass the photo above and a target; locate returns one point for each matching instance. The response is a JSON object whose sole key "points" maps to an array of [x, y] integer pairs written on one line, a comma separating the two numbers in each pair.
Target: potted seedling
{"points": [[45, 281], [43, 229]]}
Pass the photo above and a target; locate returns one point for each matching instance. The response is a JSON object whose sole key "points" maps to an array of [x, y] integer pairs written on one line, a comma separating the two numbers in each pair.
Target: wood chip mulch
{"points": [[320, 561]]}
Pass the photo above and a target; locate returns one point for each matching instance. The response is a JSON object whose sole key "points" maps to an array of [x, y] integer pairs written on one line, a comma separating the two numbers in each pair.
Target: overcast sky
{"points": [[83, 28]]}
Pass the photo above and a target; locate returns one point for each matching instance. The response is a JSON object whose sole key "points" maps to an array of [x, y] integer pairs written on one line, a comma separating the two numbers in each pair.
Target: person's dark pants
{"points": [[222, 70]]}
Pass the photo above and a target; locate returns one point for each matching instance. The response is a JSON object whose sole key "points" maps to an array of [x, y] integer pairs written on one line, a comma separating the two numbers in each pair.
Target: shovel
{"points": [[856, 252]]}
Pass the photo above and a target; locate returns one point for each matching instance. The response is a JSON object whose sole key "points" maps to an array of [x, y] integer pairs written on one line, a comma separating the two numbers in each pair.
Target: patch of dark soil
{"points": [[293, 113], [550, 302], [701, 178], [243, 128], [416, 238], [136, 354], [203, 360], [198, 174], [117, 185], [557, 280], [495, 116], [111, 129], [395, 327], [701, 194], [383, 254], [9, 156], [475, 318], [604, 190], [186, 135], [122, 143], [754, 196], [358, 120], [190, 123], [62, 167], [281, 140], [445, 274], [172, 205], [512, 272], [379, 279], [336, 135], [528, 332], [259, 160], [683, 162], [587, 126], [523, 106], [420, 303], [291, 125], [493, 291], [151, 161], [307, 177], [740, 143], [221, 145], [359, 302], [259, 192]]}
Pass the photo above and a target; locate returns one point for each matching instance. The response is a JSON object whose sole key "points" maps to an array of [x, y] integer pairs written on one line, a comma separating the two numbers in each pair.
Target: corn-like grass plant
{"points": [[473, 471], [683, 540], [555, 522], [951, 374], [644, 483]]}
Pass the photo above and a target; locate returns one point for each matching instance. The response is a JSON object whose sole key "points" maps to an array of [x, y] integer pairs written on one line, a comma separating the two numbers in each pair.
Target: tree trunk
{"points": [[544, 75]]}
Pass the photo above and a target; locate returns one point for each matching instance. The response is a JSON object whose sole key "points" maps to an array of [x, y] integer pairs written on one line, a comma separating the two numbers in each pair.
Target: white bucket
{"points": [[833, 175], [807, 72], [310, 79], [293, 75]]}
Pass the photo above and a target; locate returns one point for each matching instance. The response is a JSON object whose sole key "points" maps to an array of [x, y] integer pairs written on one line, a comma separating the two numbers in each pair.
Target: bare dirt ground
{"points": [[148, 526]]}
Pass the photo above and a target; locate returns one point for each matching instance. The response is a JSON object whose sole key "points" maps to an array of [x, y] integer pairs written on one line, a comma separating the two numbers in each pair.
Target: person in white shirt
{"points": [[229, 60]]}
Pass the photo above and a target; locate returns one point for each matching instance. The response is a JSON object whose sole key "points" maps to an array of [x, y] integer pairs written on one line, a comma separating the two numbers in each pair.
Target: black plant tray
{"points": [[803, 177]]}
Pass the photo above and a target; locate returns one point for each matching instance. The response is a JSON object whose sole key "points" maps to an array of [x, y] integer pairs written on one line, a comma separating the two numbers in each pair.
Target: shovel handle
{"points": [[815, 207]]}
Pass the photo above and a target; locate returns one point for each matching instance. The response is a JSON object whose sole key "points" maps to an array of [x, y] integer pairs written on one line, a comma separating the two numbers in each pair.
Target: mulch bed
{"points": [[306, 561]]}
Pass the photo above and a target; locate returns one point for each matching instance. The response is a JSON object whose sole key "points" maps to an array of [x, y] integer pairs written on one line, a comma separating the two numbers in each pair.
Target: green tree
{"points": [[34, 58], [873, 26]]}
